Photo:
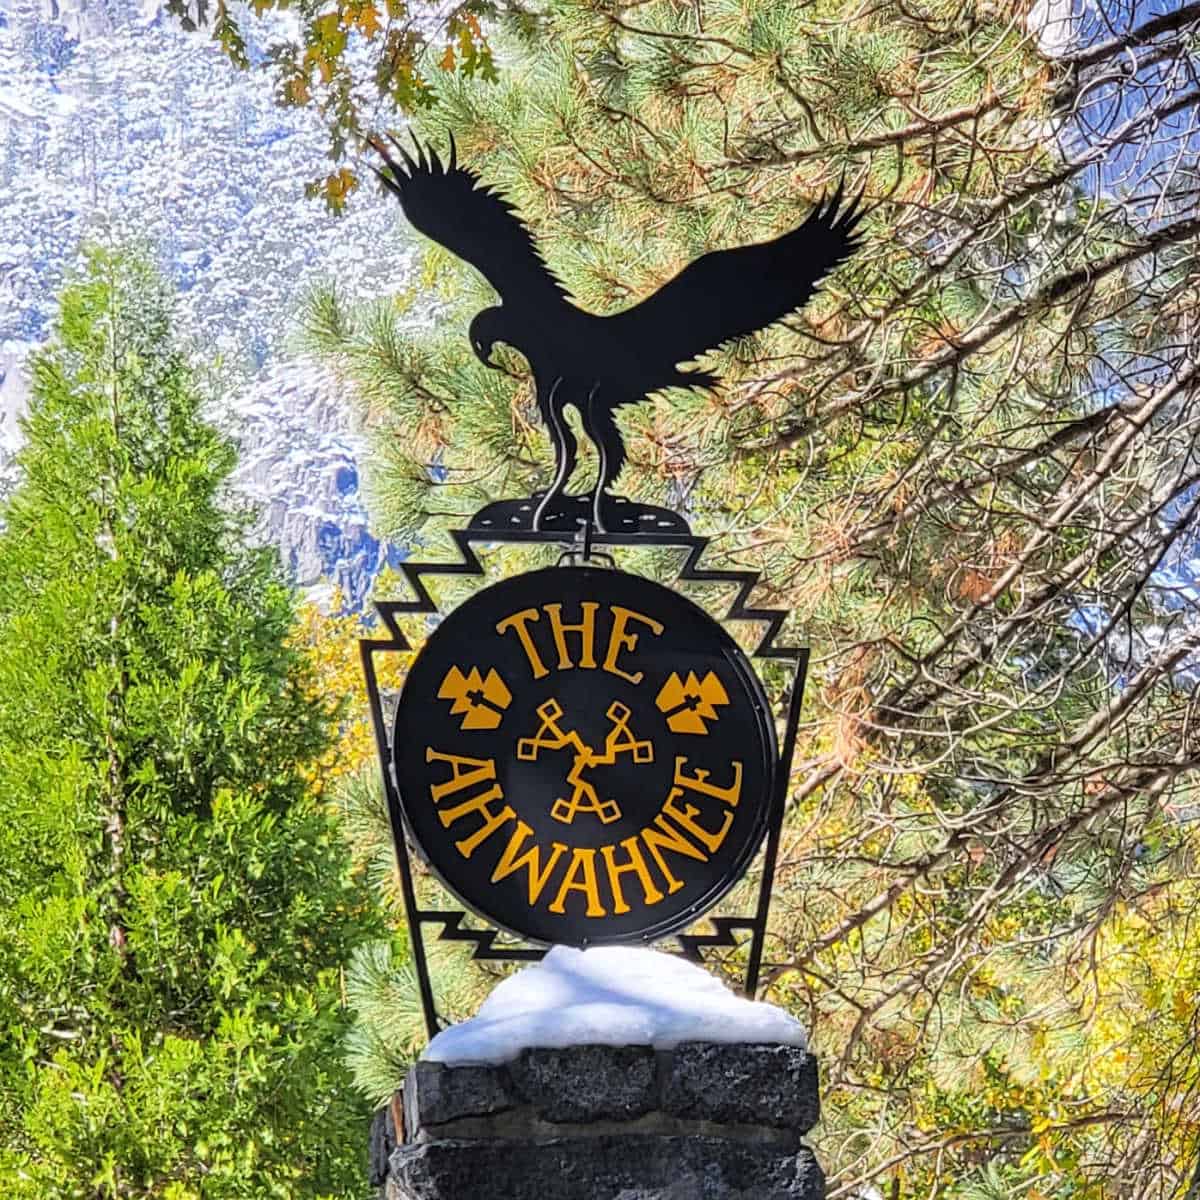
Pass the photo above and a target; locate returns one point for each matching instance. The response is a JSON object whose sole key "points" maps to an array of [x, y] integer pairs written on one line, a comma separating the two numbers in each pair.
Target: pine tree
{"points": [[174, 905]]}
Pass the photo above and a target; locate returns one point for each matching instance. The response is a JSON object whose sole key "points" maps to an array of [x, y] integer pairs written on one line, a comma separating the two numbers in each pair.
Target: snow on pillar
{"points": [[607, 1074]]}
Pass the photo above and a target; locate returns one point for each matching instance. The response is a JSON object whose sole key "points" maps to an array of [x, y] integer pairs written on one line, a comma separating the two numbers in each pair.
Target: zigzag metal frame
{"points": [[451, 920]]}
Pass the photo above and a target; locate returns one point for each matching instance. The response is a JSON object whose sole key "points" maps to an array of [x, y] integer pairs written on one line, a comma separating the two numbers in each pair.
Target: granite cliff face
{"points": [[114, 124], [300, 468]]}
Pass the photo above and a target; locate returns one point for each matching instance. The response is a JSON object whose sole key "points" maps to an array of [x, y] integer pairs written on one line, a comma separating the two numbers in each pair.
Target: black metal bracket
{"points": [[581, 546]]}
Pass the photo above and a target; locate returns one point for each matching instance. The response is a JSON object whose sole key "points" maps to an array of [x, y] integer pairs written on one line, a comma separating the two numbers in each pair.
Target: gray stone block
{"points": [[587, 1083], [702, 1122], [435, 1093], [602, 1168], [743, 1084], [382, 1146]]}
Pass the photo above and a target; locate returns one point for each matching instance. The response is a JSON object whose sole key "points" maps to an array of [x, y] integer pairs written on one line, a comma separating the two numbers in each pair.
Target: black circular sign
{"points": [[584, 756]]}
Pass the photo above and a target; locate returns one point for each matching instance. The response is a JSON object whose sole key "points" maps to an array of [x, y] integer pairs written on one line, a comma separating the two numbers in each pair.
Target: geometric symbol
{"points": [[548, 736], [585, 800], [688, 703], [480, 700], [584, 797], [620, 739]]}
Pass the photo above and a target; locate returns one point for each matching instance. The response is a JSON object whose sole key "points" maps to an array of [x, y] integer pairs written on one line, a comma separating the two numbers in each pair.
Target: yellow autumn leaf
{"points": [[367, 21], [338, 186], [296, 90], [330, 641]]}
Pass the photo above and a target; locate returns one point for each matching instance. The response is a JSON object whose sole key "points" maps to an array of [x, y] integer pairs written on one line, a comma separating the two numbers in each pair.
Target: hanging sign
{"points": [[584, 756]]}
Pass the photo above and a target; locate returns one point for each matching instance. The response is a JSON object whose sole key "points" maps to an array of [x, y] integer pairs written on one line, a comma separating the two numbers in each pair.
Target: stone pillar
{"points": [[705, 1121]]}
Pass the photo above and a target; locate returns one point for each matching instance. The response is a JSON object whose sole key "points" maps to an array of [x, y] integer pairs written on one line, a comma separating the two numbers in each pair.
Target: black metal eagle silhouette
{"points": [[597, 363]]}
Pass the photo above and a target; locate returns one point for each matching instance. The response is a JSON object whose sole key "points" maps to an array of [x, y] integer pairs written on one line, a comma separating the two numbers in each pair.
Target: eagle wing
{"points": [[446, 203], [729, 294]]}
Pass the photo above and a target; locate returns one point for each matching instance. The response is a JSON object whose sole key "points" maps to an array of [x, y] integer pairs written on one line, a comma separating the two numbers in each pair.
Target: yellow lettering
{"points": [[621, 639], [481, 771], [531, 860], [637, 864], [699, 782], [585, 860], [586, 630], [664, 836], [686, 816], [520, 621], [491, 821]]}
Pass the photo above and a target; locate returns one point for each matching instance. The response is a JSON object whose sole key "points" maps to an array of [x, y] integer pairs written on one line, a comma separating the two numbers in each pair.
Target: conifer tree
{"points": [[174, 906]]}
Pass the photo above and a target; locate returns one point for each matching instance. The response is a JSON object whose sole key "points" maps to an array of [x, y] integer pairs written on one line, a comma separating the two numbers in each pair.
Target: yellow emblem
{"points": [[480, 700], [687, 704], [619, 740]]}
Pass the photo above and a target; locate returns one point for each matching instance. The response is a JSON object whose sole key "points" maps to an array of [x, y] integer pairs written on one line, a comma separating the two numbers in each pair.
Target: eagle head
{"points": [[487, 328]]}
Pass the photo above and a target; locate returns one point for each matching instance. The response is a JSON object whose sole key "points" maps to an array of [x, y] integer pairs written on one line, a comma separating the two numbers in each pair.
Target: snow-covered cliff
{"points": [[113, 123]]}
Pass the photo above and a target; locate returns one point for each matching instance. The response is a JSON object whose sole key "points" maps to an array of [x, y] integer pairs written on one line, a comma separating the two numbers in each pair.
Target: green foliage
{"points": [[174, 906], [389, 1030]]}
